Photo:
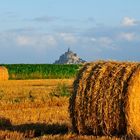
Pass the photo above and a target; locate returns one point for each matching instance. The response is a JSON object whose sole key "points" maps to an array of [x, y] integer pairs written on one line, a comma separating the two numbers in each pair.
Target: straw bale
{"points": [[106, 99], [3, 73]]}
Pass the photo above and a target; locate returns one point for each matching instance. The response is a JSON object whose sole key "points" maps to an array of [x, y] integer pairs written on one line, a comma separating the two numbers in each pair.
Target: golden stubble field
{"points": [[35, 109]]}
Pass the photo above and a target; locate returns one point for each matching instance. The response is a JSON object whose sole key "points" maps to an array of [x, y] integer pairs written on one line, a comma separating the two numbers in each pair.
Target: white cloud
{"points": [[105, 41], [36, 40], [23, 40], [97, 42], [68, 38], [127, 21], [50, 40], [93, 39], [127, 36]]}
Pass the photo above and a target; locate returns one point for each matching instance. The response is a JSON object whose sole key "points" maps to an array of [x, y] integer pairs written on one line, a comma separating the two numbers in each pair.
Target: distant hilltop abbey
{"points": [[69, 57]]}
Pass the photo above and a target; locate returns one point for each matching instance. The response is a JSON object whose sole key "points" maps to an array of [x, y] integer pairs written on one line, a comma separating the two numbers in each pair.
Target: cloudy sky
{"points": [[39, 31]]}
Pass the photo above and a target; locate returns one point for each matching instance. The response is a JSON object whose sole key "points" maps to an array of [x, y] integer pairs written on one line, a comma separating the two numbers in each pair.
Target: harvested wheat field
{"points": [[33, 108], [3, 73], [38, 109], [106, 99]]}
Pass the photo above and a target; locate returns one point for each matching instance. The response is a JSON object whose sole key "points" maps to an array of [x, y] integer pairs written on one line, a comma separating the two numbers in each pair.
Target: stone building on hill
{"points": [[69, 57]]}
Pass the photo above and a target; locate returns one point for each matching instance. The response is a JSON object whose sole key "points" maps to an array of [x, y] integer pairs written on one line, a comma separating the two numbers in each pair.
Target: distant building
{"points": [[69, 57]]}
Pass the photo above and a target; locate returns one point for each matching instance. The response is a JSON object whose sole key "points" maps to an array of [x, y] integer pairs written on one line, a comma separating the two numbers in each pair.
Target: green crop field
{"points": [[41, 71]]}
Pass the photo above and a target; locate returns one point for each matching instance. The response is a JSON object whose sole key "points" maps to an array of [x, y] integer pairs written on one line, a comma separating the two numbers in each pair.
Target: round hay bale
{"points": [[3, 73], [106, 99]]}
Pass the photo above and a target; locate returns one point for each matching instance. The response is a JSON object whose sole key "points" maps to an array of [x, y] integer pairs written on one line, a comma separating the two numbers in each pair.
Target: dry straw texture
{"points": [[106, 99], [3, 73]]}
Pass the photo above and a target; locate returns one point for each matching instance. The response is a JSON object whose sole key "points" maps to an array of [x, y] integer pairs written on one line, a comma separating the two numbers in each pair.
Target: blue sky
{"points": [[39, 31]]}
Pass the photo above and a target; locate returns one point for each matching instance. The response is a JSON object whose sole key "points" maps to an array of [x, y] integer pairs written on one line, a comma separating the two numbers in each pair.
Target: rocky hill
{"points": [[69, 57]]}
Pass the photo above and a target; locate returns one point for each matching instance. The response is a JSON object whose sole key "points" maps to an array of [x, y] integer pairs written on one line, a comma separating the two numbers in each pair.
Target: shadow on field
{"points": [[37, 129], [34, 129]]}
